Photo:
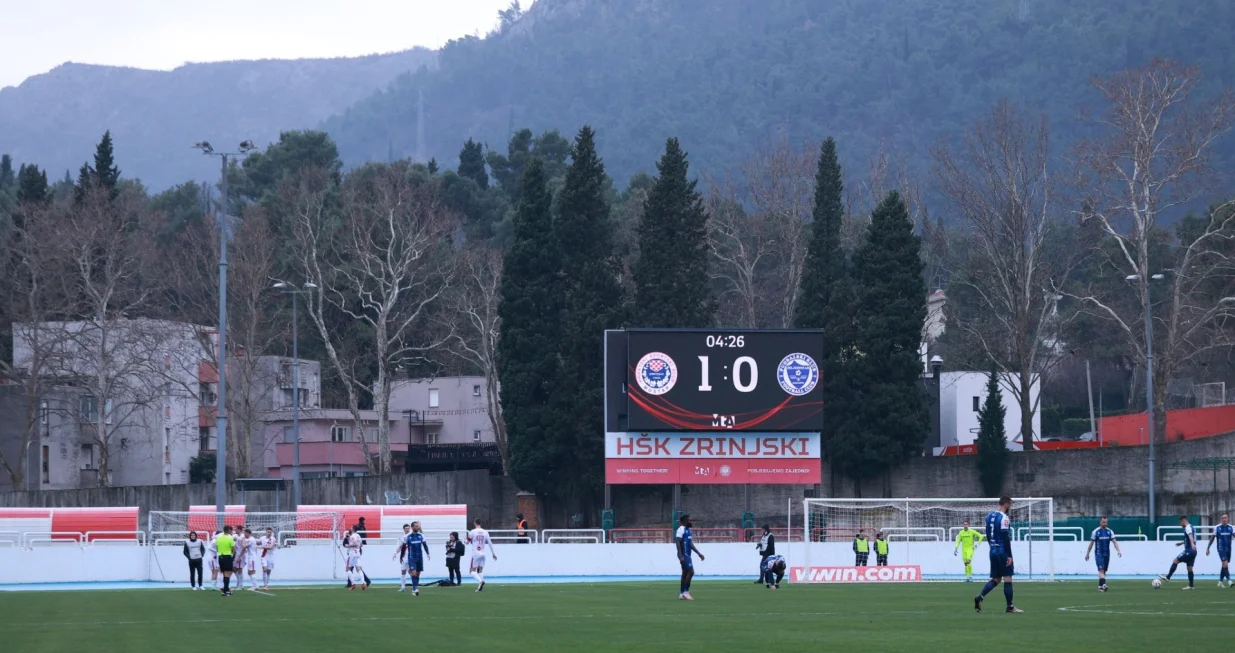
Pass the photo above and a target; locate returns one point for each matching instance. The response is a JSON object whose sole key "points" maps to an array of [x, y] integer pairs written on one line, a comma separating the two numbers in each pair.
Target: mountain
{"points": [[731, 76], [55, 119]]}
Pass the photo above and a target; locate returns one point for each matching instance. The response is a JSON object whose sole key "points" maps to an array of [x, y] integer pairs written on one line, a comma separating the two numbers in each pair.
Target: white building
{"points": [[961, 395], [137, 384]]}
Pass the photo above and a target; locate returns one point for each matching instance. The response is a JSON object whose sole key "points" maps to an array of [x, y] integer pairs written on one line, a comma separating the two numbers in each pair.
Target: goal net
{"points": [[922, 532], [289, 527]]}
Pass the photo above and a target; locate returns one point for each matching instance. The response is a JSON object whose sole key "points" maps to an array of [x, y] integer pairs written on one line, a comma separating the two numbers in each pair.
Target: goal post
{"points": [[172, 527], [922, 532]]}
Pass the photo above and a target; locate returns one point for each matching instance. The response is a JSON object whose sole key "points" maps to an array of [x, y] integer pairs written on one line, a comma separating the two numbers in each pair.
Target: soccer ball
{"points": [[1155, 583]]}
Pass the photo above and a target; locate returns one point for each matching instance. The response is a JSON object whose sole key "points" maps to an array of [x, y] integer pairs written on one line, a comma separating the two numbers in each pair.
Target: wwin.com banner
{"points": [[887, 574]]}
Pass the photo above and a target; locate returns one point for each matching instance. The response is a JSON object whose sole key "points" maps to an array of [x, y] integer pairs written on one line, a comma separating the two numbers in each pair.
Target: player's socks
{"points": [[1007, 593], [415, 583], [1170, 573], [403, 581], [227, 581], [990, 585], [1190, 578]]}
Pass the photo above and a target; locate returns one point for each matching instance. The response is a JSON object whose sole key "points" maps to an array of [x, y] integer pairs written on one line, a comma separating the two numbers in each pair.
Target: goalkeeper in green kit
{"points": [[966, 539]]}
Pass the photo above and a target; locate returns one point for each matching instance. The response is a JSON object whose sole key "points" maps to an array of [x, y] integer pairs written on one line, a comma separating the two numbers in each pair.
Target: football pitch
{"points": [[620, 616]]}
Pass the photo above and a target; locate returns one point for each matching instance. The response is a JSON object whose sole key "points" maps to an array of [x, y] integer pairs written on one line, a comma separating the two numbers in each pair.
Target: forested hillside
{"points": [[726, 76], [51, 120]]}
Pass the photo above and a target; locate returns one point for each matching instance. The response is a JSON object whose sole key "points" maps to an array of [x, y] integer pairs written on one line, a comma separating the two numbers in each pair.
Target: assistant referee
{"points": [[226, 546]]}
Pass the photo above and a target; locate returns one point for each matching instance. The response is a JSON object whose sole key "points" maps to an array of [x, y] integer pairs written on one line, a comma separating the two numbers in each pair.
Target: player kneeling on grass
{"points": [[1102, 538], [1222, 535], [775, 572], [1188, 557], [999, 535], [267, 545]]}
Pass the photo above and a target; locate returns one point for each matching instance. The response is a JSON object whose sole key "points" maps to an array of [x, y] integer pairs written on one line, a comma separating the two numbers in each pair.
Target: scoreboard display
{"points": [[713, 380]]}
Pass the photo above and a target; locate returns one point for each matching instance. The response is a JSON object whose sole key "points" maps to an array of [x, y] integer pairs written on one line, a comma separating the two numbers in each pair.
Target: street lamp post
{"points": [[287, 289], [1149, 384], [220, 469]]}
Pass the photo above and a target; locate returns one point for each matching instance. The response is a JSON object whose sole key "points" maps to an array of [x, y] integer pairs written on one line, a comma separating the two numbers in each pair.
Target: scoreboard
{"points": [[713, 380]]}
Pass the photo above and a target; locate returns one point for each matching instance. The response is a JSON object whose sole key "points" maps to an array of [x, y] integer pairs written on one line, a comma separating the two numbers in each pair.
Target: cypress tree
{"points": [[527, 349], [472, 163], [433, 166], [992, 439], [31, 184], [888, 421], [672, 285], [593, 297], [825, 259], [105, 171], [7, 178]]}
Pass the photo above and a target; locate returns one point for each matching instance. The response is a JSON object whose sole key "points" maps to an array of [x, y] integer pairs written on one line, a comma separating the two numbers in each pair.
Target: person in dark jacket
{"points": [[454, 554], [195, 553], [766, 548]]}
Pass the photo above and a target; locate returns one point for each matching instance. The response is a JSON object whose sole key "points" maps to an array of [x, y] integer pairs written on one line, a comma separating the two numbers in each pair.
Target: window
{"points": [[167, 444], [203, 438], [976, 403], [475, 391], [44, 411], [206, 395], [433, 398], [87, 456], [89, 409], [107, 411], [340, 433], [476, 436], [46, 467], [289, 435], [431, 437]]}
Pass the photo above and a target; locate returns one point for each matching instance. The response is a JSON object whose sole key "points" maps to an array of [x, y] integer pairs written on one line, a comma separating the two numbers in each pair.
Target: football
{"points": [[1155, 583]]}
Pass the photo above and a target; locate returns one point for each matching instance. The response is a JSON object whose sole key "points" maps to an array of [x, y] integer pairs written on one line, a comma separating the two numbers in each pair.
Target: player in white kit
{"points": [[267, 545], [478, 539], [401, 554], [238, 560], [251, 558], [212, 559], [355, 570]]}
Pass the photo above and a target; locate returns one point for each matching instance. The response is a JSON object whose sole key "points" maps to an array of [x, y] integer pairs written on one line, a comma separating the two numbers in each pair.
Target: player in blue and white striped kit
{"points": [[1188, 557], [999, 538], [1222, 535], [1102, 539]]}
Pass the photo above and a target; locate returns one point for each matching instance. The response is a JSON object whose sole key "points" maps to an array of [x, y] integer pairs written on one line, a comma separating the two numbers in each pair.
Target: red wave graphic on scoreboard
{"points": [[793, 410]]}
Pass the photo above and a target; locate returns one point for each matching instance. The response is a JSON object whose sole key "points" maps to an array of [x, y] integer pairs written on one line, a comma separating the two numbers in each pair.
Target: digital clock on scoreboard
{"points": [[708, 380]]}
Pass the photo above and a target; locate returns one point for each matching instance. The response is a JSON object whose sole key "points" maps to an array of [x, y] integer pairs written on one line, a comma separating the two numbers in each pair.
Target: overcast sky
{"points": [[38, 35]]}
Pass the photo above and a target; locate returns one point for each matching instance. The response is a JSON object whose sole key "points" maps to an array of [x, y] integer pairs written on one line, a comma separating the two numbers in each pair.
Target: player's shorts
{"points": [[1103, 562], [687, 563], [1000, 567], [225, 563], [267, 564], [1187, 557], [478, 562], [1224, 556], [403, 566], [416, 564], [353, 560], [251, 564], [213, 563], [966, 556], [862, 559]]}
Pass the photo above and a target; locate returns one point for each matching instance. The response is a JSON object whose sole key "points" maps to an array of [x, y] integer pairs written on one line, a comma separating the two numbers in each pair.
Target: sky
{"points": [[163, 34]]}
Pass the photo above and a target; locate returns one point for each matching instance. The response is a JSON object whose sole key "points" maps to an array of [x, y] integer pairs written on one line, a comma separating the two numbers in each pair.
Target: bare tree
{"points": [[760, 253], [473, 307], [999, 180], [386, 264], [1152, 161]]}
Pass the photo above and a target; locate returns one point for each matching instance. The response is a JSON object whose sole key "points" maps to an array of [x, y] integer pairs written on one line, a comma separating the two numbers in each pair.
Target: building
{"points": [[135, 391], [329, 445], [961, 395], [936, 321], [448, 423], [260, 389], [59, 454]]}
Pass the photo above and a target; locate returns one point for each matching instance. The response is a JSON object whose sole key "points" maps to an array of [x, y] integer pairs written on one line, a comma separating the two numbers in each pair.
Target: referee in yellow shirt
{"points": [[226, 546]]}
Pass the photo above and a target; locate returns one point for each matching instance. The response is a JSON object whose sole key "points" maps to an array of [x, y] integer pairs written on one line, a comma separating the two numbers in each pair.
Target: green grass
{"points": [[725, 616]]}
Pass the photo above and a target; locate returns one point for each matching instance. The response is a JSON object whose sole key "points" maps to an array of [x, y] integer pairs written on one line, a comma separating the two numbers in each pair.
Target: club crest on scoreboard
{"points": [[798, 374], [656, 373]]}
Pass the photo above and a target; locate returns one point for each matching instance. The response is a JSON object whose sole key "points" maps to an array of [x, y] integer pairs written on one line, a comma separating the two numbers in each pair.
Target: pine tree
{"points": [[672, 285], [106, 173], [472, 163], [31, 184], [887, 422], [7, 178], [527, 349], [593, 295], [992, 439], [433, 166]]}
